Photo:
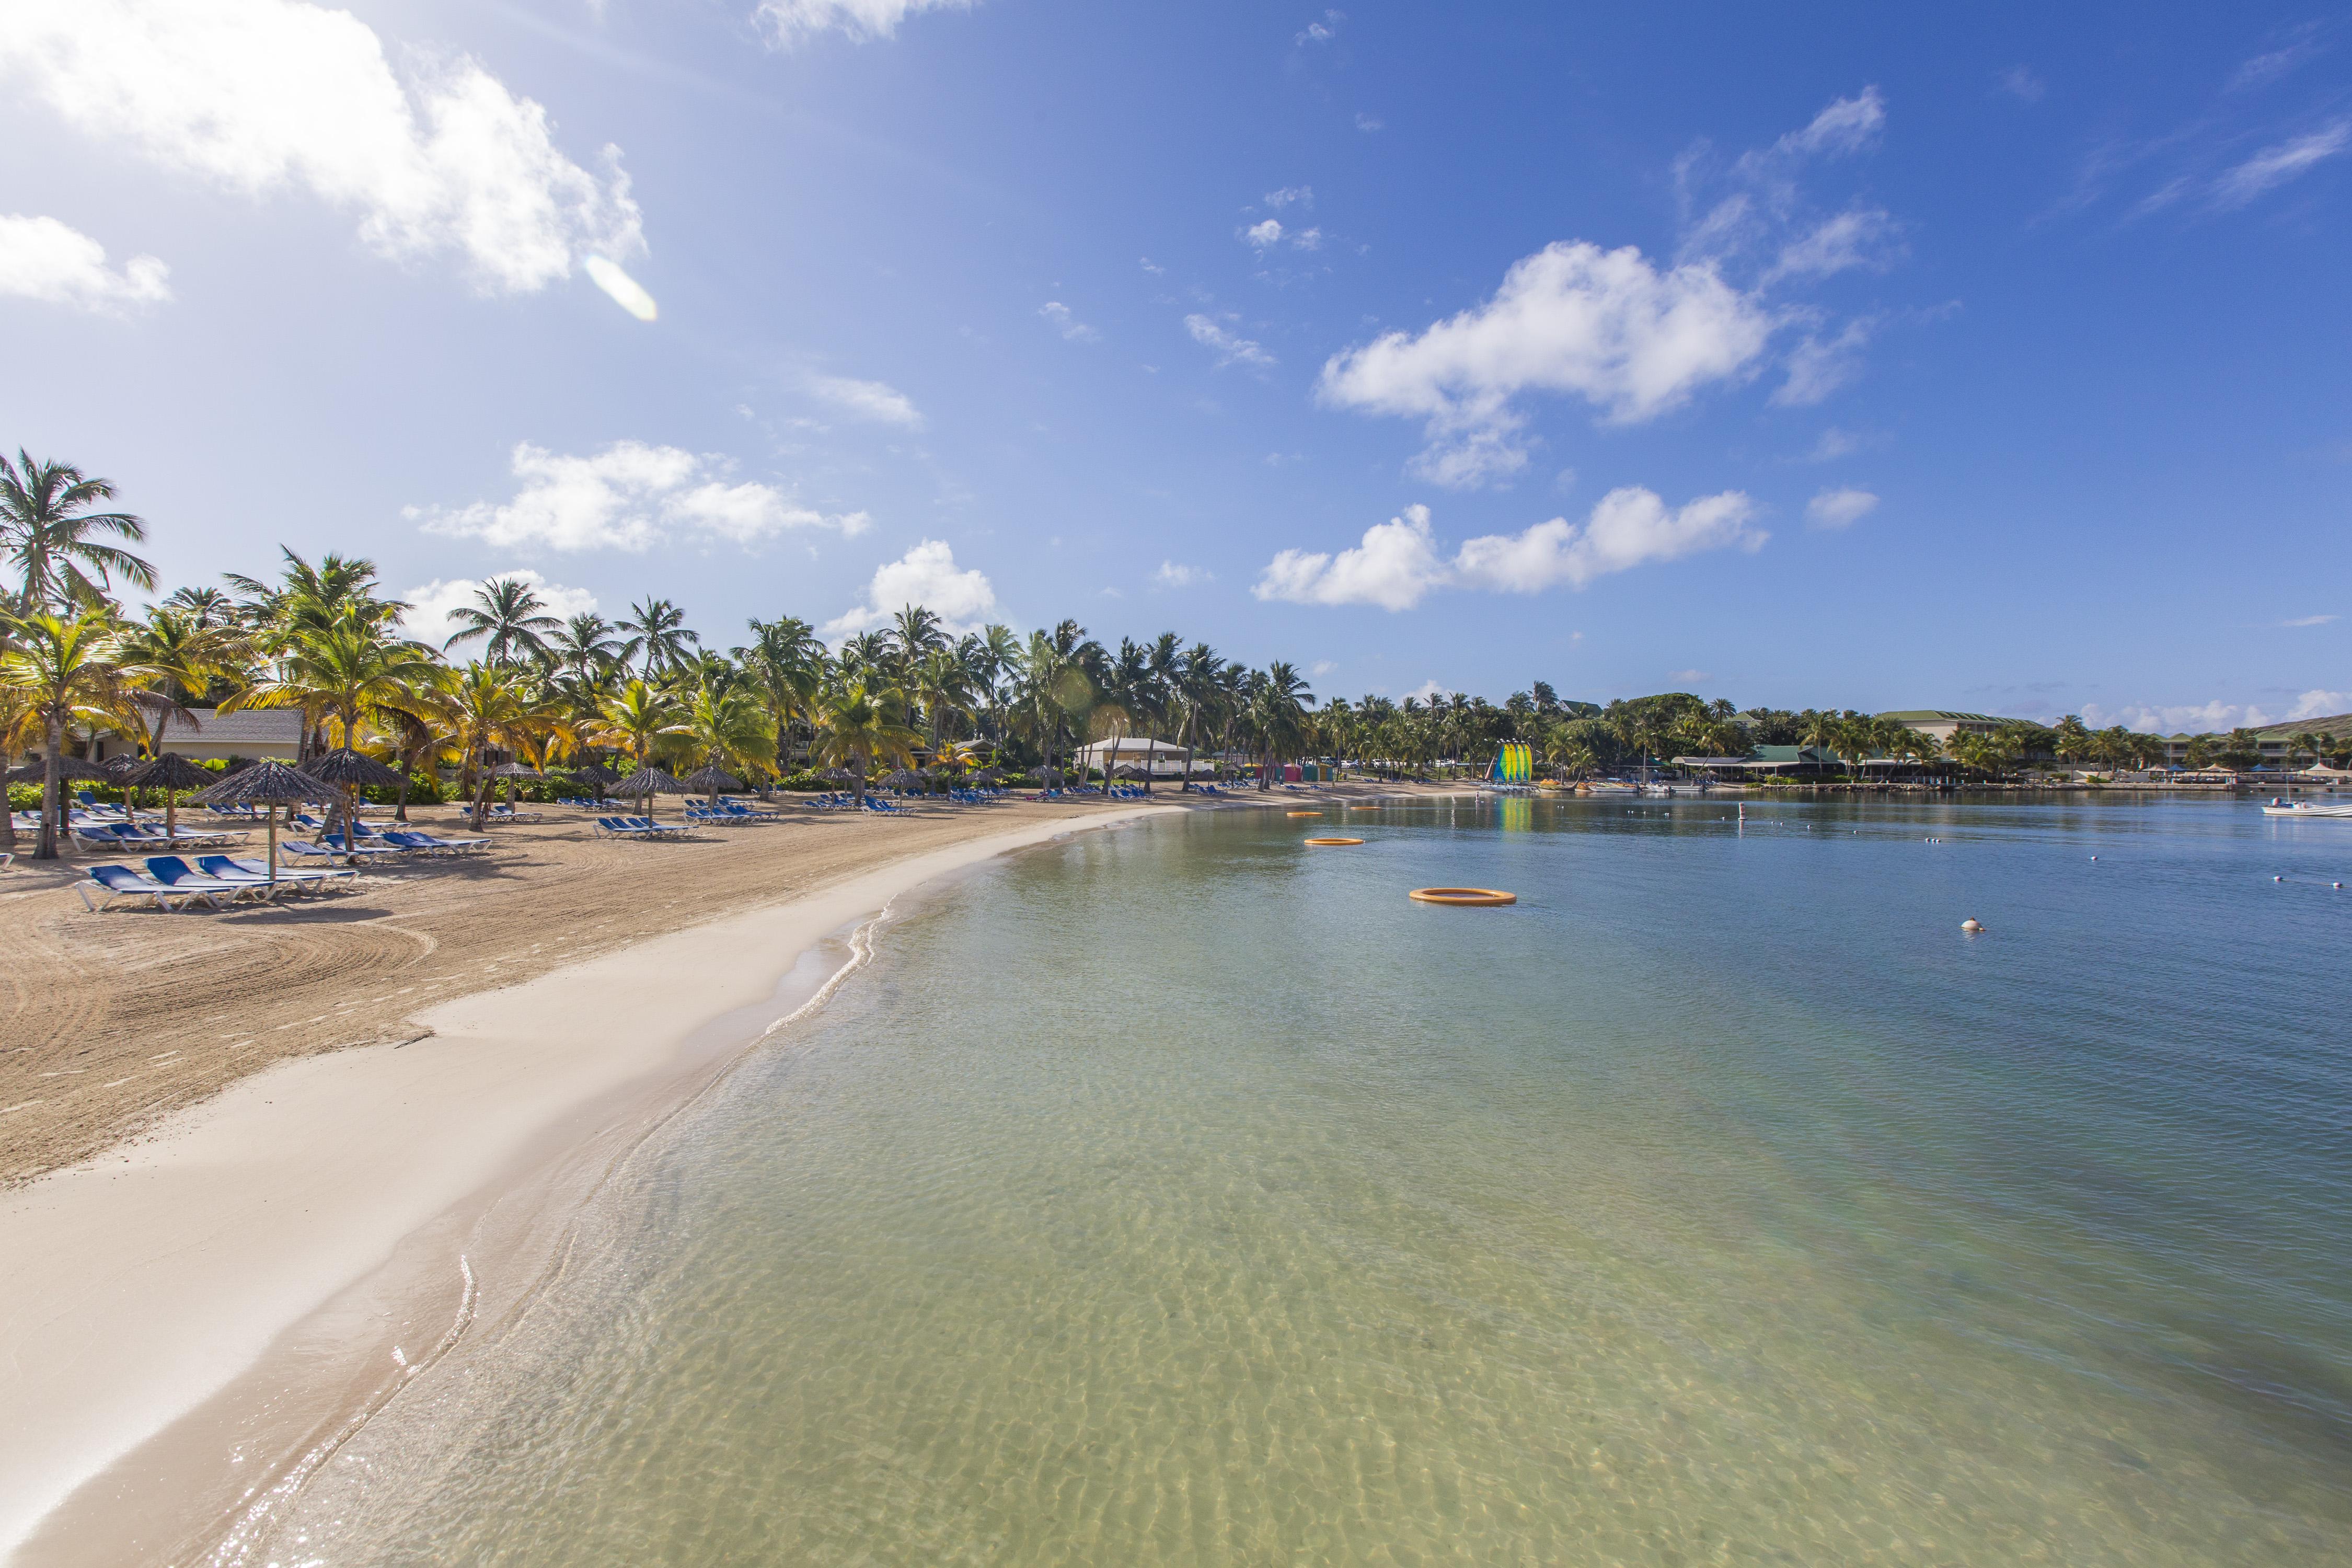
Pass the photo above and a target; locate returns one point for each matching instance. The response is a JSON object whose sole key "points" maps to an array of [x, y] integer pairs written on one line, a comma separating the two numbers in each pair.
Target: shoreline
{"points": [[194, 1314]]}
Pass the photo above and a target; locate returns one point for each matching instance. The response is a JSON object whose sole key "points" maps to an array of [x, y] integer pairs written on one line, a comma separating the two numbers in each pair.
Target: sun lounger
{"points": [[178, 874], [509, 814], [435, 846], [292, 879], [122, 882], [332, 852]]}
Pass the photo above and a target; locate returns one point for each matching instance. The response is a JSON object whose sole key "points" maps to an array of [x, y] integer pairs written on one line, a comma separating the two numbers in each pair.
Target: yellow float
{"points": [[1302, 814], [1465, 897], [1335, 841]]}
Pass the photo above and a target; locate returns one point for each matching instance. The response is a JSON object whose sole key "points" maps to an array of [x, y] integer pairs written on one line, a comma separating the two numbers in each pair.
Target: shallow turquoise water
{"points": [[1180, 1196]]}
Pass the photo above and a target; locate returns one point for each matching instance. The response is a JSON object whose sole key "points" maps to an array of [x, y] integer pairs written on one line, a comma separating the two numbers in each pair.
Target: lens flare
{"points": [[625, 290]]}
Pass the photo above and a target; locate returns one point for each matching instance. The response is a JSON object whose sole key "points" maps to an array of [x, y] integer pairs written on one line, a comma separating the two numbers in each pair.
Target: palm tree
{"points": [[786, 663], [728, 726], [178, 659], [480, 710], [657, 629], [912, 633], [1197, 688], [857, 727], [585, 648], [208, 607], [943, 686], [66, 669], [2304, 744], [633, 719], [20, 730], [51, 535], [507, 612], [1278, 704]]}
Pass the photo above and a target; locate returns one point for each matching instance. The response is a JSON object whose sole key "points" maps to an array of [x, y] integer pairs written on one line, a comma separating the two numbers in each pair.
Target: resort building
{"points": [[1940, 726], [206, 734], [1161, 759]]}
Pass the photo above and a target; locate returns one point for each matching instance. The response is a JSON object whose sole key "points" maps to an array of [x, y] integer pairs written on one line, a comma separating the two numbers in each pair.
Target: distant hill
{"points": [[2334, 724]]}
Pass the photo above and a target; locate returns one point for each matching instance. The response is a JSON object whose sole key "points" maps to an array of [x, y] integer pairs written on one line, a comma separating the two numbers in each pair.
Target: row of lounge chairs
{"points": [[118, 835], [216, 881], [729, 814], [636, 828]]}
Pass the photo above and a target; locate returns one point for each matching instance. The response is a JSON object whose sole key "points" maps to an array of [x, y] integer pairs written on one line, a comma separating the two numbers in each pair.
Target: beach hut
{"points": [[170, 772], [272, 785]]}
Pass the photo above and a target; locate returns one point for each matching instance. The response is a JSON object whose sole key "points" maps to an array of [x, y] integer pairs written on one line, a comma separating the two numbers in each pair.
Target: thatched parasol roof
{"points": [[264, 783], [902, 779], [172, 771], [988, 775], [345, 768], [1128, 770], [712, 780], [516, 770], [649, 780], [838, 775], [1052, 775], [69, 768], [121, 766], [596, 773]]}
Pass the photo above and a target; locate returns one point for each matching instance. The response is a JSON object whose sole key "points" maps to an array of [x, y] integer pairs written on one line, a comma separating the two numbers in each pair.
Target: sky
{"points": [[1848, 356]]}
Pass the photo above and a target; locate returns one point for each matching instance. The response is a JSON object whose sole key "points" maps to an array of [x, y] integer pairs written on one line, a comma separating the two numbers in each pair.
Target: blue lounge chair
{"points": [[122, 882], [432, 845], [328, 852], [178, 874], [229, 870]]}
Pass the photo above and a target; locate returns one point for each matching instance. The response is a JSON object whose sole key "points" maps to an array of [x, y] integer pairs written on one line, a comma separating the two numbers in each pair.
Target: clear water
{"points": [[1182, 1195]]}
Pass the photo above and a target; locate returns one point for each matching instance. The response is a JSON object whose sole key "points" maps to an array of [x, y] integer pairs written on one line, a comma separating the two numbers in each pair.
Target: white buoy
{"points": [[2278, 879], [1971, 927]]}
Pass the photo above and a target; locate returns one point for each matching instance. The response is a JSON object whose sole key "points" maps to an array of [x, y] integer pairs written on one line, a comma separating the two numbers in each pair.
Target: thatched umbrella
{"points": [[1051, 776], [903, 779], [647, 782], [268, 784], [711, 781], [69, 769], [595, 775], [988, 775], [511, 771], [838, 775], [170, 772], [350, 771]]}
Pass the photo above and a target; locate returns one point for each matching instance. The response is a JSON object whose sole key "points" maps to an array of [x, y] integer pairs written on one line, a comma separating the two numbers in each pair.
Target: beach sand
{"points": [[230, 1234]]}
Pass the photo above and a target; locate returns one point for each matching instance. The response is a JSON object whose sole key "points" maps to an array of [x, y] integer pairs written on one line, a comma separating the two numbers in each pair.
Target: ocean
{"points": [[1179, 1193]]}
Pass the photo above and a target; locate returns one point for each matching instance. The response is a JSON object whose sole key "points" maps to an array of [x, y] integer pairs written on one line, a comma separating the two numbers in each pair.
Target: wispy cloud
{"points": [[873, 400], [1230, 347], [790, 22], [2310, 621], [1172, 575], [2020, 83], [2275, 165], [1066, 322], [1323, 29], [46, 261], [1835, 508]]}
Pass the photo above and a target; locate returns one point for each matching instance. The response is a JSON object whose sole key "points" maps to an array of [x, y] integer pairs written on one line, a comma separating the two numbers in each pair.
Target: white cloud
{"points": [[1322, 667], [1303, 195], [1265, 236], [1230, 349], [629, 496], [1323, 31], [1819, 366], [2310, 621], [1172, 575], [1366, 124], [874, 400], [260, 96], [1847, 125], [428, 617], [1834, 444], [1840, 508], [1395, 566], [2320, 704], [44, 260], [1428, 690], [2020, 82], [925, 576], [1153, 266], [1066, 323], [2274, 167], [1398, 561], [1308, 239], [1861, 237], [792, 21], [1605, 326], [1630, 527]]}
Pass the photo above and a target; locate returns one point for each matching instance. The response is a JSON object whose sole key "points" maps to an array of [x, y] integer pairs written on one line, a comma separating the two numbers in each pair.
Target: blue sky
{"points": [[1847, 356]]}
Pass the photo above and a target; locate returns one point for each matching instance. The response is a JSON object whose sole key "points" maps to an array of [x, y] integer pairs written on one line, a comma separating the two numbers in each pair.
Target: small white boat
{"points": [[2305, 808], [1669, 789]]}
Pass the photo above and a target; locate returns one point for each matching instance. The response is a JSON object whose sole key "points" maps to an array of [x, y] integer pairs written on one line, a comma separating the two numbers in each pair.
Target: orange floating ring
{"points": [[1302, 814], [1335, 841], [1468, 897]]}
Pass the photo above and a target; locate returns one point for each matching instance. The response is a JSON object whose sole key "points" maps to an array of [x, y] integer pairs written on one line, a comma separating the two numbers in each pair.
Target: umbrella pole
{"points": [[273, 844]]}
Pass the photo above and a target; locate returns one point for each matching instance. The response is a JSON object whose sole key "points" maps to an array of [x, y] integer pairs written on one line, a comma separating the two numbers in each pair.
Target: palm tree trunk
{"points": [[52, 788]]}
